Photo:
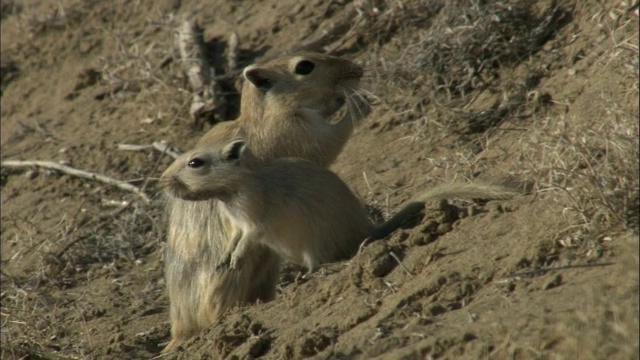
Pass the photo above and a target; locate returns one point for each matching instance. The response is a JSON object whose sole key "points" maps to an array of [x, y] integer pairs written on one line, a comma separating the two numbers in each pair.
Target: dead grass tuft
{"points": [[459, 56], [143, 62], [83, 248], [39, 18], [472, 43], [592, 169], [10, 7]]}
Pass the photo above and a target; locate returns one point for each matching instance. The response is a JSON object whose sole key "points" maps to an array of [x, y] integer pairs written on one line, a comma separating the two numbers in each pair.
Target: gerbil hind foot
{"points": [[236, 261]]}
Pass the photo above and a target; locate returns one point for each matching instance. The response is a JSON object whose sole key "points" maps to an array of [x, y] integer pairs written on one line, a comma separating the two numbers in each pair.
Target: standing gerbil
{"points": [[299, 209], [288, 107], [288, 104]]}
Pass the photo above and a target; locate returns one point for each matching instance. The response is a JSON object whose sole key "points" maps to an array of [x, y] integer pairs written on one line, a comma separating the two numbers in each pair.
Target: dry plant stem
{"points": [[363, 244], [232, 54], [59, 253], [192, 54], [75, 172], [158, 145], [206, 99], [133, 147], [167, 149], [397, 259]]}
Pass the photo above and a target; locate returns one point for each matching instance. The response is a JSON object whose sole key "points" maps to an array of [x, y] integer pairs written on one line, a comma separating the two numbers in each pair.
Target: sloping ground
{"points": [[545, 94]]}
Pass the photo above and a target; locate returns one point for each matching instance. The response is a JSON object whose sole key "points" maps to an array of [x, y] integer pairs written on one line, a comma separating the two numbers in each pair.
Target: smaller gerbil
{"points": [[301, 210]]}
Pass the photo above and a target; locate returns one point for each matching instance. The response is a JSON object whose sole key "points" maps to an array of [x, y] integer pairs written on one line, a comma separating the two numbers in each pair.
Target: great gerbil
{"points": [[301, 210], [288, 105], [292, 106]]}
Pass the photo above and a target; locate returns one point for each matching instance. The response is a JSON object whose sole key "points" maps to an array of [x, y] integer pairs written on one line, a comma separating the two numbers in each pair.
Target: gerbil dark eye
{"points": [[196, 163], [304, 67]]}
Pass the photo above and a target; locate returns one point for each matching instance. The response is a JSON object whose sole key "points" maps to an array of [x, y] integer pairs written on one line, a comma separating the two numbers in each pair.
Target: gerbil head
{"points": [[208, 172], [308, 80]]}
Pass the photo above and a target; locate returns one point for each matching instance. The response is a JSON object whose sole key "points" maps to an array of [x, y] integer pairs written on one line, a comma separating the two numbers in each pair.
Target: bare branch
{"points": [[75, 172], [207, 98], [161, 146], [167, 149], [232, 54]]}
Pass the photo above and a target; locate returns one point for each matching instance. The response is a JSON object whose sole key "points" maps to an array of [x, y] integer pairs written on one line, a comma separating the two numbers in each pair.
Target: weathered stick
{"points": [[158, 145], [134, 147], [207, 99], [232, 52], [167, 149], [75, 172]]}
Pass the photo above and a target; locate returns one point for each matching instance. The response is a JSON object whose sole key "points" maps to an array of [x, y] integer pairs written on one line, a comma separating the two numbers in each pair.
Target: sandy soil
{"points": [[546, 94]]}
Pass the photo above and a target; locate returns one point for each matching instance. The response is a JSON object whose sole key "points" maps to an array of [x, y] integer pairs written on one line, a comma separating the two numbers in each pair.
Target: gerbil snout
{"points": [[174, 187]]}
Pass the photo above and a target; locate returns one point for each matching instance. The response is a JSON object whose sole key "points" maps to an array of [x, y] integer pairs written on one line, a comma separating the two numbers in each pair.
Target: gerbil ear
{"points": [[259, 77], [234, 150]]}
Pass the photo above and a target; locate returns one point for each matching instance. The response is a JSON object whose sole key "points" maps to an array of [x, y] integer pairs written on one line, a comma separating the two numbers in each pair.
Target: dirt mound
{"points": [[544, 93]]}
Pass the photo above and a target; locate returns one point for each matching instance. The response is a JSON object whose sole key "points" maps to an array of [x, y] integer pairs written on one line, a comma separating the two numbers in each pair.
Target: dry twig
{"points": [[207, 98], [158, 145], [167, 149], [232, 54], [397, 259], [75, 172]]}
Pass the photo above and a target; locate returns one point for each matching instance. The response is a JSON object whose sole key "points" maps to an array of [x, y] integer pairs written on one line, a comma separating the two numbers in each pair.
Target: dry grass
{"points": [[593, 171], [38, 18], [591, 165], [85, 247], [457, 61], [469, 46], [145, 64]]}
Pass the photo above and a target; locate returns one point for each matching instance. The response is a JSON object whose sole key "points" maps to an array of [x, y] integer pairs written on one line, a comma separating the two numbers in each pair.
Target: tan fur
{"points": [[294, 117], [220, 132], [301, 210]]}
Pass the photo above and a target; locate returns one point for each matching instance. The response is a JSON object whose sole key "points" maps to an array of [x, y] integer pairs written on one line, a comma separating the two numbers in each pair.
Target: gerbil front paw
{"points": [[236, 262], [225, 262]]}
